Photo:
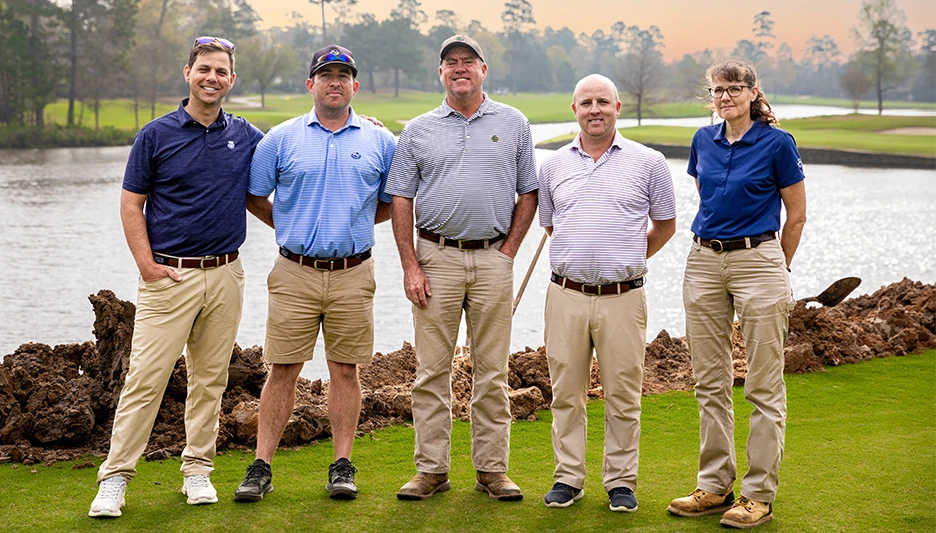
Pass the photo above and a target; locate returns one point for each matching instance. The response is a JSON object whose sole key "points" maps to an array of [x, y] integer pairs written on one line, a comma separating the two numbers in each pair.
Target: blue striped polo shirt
{"points": [[327, 183], [465, 172], [599, 209]]}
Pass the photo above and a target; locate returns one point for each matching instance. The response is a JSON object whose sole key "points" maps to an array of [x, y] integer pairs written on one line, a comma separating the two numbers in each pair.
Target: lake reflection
{"points": [[62, 241]]}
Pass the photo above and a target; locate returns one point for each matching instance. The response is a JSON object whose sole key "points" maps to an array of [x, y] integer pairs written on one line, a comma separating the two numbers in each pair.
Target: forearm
{"points": [[523, 214], [790, 238], [262, 208], [383, 212], [134, 226], [658, 234], [402, 222]]}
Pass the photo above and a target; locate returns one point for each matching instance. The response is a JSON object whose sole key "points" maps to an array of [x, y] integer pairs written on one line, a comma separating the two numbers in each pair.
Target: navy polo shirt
{"points": [[739, 184], [195, 179]]}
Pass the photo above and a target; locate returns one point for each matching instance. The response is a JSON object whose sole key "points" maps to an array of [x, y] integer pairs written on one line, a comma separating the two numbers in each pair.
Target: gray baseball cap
{"points": [[461, 40]]}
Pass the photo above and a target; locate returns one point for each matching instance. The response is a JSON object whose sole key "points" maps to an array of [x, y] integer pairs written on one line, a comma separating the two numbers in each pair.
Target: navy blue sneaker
{"points": [[563, 495], [622, 500]]}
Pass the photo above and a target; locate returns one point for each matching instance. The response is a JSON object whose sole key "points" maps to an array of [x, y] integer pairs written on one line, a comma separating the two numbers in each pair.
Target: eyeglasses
{"points": [[207, 39], [335, 55], [732, 90]]}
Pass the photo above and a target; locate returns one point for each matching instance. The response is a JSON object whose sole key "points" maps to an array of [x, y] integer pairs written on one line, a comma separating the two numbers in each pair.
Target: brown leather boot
{"points": [[423, 486], [701, 503], [498, 486], [747, 513]]}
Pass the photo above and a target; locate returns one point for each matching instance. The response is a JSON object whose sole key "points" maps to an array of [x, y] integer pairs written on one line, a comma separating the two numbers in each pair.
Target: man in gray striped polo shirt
{"points": [[468, 167], [596, 196]]}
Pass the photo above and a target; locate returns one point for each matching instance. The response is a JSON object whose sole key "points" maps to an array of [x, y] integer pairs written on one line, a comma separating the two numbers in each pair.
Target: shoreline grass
{"points": [[862, 133], [856, 435]]}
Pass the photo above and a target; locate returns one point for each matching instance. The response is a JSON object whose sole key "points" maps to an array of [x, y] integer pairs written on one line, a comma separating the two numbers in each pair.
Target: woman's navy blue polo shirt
{"points": [[195, 179], [739, 184]]}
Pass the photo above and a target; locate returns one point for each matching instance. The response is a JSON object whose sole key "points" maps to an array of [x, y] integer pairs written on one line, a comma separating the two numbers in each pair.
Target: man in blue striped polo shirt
{"points": [[463, 165], [596, 196], [328, 169]]}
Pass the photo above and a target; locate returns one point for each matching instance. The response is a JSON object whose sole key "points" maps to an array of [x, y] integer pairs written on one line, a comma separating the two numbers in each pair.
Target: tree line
{"points": [[87, 51]]}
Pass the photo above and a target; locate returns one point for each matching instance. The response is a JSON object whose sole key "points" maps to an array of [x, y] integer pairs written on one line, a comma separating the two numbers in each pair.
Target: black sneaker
{"points": [[256, 483], [622, 499], [562, 495], [340, 484]]}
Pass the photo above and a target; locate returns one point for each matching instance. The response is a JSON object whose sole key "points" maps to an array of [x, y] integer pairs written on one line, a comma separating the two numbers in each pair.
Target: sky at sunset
{"points": [[687, 26]]}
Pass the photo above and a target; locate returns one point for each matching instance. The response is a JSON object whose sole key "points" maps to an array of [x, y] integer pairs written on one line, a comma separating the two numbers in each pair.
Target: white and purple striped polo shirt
{"points": [[598, 209]]}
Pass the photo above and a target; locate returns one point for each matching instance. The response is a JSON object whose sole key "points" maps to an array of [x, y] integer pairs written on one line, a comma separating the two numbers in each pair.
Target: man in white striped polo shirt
{"points": [[596, 196], [463, 165]]}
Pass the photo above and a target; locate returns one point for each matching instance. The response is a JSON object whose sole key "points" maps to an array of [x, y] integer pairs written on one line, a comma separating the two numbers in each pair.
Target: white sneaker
{"points": [[110, 498], [199, 490]]}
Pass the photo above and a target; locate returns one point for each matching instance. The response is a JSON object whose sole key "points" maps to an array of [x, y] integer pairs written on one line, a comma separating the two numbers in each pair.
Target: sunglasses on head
{"points": [[207, 39], [335, 56]]}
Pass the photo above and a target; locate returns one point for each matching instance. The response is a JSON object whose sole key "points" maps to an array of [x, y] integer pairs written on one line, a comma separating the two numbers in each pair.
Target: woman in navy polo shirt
{"points": [[745, 168]]}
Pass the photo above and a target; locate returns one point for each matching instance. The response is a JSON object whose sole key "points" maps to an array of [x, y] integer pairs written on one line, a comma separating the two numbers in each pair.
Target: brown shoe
{"points": [[701, 503], [423, 486], [498, 486], [747, 513]]}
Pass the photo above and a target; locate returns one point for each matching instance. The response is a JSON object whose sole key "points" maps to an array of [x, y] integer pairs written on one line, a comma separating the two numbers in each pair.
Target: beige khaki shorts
{"points": [[301, 299]]}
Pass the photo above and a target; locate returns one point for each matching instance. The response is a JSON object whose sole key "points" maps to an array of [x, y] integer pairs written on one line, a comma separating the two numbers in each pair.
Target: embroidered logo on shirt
{"points": [[356, 155], [230, 145], [799, 163], [494, 138]]}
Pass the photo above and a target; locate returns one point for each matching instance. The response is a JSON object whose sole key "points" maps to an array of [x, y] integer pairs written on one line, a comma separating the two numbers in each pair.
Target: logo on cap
{"points": [[459, 38]]}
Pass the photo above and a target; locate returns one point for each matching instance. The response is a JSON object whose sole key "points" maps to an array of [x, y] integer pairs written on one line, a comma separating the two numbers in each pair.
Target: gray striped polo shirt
{"points": [[465, 173], [599, 209]]}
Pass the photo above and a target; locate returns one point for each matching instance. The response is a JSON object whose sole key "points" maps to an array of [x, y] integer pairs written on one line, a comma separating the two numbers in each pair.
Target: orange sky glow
{"points": [[687, 26]]}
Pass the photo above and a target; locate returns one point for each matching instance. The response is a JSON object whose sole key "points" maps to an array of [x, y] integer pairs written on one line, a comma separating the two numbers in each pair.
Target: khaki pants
{"points": [[481, 283], [202, 312], [615, 327], [754, 284]]}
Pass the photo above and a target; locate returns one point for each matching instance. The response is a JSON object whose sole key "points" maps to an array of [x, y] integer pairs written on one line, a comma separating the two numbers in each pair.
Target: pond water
{"points": [[62, 240]]}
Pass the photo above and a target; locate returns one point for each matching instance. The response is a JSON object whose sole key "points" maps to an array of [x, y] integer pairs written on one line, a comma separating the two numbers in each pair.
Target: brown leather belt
{"points": [[206, 262], [726, 245], [598, 290], [461, 245], [326, 264]]}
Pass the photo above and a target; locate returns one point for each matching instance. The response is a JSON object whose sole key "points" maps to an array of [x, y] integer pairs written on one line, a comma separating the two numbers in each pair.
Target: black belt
{"points": [[317, 263], [726, 245], [206, 262], [598, 290], [461, 245]]}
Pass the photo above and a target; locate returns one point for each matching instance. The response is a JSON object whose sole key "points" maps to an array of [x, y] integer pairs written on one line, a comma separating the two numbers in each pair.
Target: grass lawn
{"points": [[843, 132], [844, 102], [860, 456], [539, 108]]}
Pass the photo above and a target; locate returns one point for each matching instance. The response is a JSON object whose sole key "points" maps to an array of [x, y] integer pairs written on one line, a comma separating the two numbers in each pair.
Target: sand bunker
{"points": [[58, 403]]}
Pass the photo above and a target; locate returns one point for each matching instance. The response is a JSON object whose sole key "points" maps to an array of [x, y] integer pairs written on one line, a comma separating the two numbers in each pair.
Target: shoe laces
{"points": [[198, 482], [620, 490], [341, 470], [110, 487], [746, 503], [255, 473]]}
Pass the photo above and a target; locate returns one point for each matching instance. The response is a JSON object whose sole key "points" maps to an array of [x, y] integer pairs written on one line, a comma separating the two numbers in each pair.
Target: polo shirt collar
{"points": [[617, 142], [354, 121], [184, 119], [750, 136], [487, 107]]}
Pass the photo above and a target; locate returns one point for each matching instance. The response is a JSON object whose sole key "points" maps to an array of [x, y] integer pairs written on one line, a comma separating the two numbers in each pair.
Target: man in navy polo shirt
{"points": [[328, 169], [183, 209]]}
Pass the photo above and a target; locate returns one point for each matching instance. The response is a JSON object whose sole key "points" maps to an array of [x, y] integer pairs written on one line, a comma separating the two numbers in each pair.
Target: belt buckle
{"points": [[721, 247], [215, 258], [331, 265]]}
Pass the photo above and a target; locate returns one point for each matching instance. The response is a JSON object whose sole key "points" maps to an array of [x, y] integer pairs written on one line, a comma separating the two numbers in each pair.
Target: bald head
{"points": [[594, 81]]}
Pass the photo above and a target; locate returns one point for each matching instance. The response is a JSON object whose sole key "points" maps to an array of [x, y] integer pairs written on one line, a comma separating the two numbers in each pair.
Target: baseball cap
{"points": [[460, 40], [332, 55]]}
